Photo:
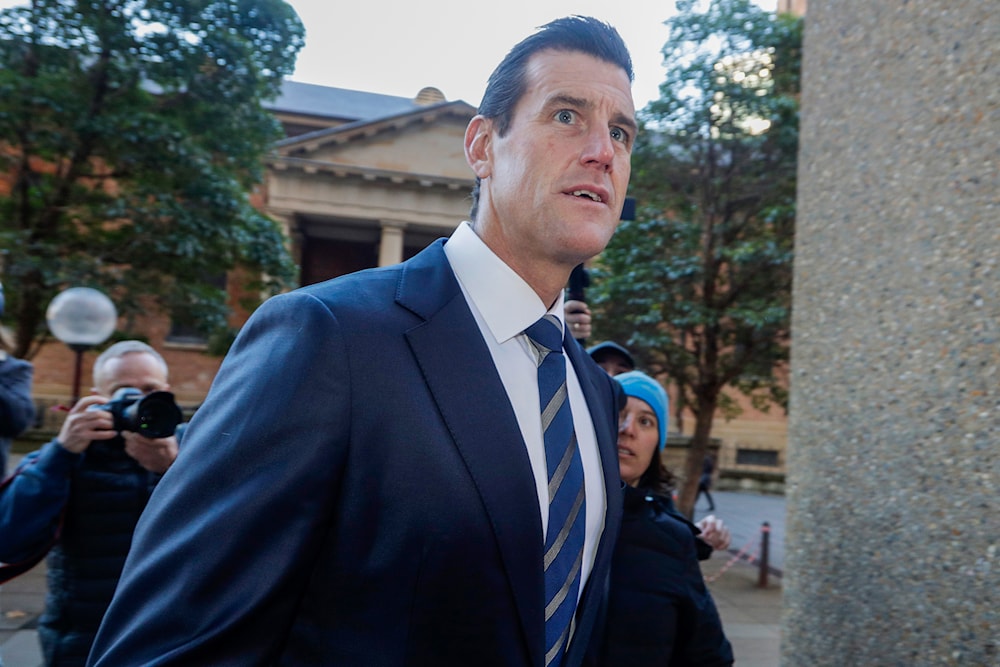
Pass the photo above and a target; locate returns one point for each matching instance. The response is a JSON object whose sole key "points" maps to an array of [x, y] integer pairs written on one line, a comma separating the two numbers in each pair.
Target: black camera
{"points": [[154, 415]]}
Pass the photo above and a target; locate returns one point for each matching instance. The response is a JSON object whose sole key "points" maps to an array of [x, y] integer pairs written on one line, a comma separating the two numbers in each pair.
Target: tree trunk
{"points": [[696, 456], [30, 315]]}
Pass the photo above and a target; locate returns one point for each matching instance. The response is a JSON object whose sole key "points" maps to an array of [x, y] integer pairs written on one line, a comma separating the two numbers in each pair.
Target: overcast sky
{"points": [[397, 47]]}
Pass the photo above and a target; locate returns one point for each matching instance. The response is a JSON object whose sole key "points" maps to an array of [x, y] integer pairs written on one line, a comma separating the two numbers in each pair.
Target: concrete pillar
{"points": [[797, 7], [894, 436], [390, 248]]}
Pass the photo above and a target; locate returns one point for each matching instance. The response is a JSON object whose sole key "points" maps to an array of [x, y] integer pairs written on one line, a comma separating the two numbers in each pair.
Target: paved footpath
{"points": [[21, 603], [751, 615], [745, 514]]}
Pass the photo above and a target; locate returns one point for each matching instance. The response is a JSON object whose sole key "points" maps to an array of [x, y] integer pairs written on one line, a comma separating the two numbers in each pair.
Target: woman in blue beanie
{"points": [[659, 612]]}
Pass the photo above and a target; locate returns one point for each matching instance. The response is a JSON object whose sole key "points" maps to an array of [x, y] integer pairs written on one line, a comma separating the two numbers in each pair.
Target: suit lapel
{"points": [[460, 375]]}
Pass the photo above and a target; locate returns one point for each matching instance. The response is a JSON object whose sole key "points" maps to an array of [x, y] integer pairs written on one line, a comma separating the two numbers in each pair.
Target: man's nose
{"points": [[600, 149]]}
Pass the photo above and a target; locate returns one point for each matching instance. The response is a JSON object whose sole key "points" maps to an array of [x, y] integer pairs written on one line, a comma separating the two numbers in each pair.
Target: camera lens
{"points": [[154, 416]]}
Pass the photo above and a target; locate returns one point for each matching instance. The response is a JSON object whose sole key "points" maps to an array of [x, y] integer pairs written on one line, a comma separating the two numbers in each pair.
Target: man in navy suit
{"points": [[366, 482]]}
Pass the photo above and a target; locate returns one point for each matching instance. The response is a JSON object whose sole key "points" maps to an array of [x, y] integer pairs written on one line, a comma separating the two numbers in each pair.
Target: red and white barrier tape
{"points": [[732, 561]]}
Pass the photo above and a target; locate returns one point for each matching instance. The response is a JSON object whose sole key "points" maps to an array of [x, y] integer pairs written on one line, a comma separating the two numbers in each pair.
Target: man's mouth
{"points": [[587, 193]]}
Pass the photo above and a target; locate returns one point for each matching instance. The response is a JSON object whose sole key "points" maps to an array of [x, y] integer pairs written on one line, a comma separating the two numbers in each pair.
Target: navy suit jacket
{"points": [[354, 491]]}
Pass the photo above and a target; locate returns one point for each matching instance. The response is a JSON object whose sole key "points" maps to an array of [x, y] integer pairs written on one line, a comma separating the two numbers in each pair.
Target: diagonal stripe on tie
{"points": [[561, 538], [565, 534], [552, 408], [563, 592], [557, 476]]}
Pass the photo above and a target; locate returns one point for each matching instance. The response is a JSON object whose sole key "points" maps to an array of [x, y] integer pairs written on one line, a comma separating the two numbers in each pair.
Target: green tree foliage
{"points": [[699, 285], [131, 134]]}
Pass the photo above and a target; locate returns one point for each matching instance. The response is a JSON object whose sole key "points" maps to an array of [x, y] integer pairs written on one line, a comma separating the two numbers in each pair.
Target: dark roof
{"points": [[326, 102]]}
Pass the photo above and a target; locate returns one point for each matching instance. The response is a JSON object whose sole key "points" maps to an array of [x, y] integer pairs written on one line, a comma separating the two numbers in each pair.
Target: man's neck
{"points": [[547, 280]]}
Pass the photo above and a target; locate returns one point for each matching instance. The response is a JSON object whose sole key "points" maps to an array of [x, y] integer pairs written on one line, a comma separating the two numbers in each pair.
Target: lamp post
{"points": [[81, 317]]}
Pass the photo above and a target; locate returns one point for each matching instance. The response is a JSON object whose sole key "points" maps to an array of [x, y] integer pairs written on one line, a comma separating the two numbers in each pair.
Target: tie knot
{"points": [[546, 333]]}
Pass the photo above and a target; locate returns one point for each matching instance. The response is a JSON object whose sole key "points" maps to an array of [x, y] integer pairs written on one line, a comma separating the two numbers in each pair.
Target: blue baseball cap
{"points": [[599, 351]]}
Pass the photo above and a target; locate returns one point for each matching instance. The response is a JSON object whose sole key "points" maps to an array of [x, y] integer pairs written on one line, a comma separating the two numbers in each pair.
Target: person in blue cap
{"points": [[17, 410], [612, 357], [659, 611], [712, 534]]}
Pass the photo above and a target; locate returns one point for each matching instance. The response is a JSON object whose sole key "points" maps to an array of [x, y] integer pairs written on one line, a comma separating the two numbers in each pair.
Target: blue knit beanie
{"points": [[645, 388]]}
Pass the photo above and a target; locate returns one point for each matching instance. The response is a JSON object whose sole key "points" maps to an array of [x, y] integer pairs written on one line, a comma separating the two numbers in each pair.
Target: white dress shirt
{"points": [[504, 305]]}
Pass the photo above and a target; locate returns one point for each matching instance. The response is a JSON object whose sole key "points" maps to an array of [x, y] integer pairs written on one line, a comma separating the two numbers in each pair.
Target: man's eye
{"points": [[565, 116], [618, 134]]}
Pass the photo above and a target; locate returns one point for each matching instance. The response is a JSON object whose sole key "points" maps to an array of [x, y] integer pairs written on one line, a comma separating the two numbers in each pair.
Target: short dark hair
{"points": [[506, 86]]}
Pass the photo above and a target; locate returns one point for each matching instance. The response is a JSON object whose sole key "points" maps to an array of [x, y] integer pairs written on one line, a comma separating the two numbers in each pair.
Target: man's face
{"points": [[614, 364], [136, 369], [555, 184]]}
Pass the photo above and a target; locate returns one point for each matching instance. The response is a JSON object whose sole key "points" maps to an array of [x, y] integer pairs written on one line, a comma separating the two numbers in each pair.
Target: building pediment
{"points": [[423, 146]]}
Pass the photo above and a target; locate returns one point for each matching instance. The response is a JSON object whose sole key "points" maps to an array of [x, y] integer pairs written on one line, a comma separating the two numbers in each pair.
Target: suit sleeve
{"points": [[224, 549], [32, 501], [16, 407]]}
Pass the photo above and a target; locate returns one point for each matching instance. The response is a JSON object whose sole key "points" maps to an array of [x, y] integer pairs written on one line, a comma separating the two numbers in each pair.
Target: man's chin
{"points": [[585, 245]]}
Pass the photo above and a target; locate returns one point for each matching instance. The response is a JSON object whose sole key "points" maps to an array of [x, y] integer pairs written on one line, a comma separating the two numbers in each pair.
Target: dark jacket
{"points": [[84, 507], [659, 612], [109, 492], [16, 408]]}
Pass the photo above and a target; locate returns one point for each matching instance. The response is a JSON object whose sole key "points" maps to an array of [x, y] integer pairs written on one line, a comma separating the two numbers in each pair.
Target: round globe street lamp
{"points": [[81, 317]]}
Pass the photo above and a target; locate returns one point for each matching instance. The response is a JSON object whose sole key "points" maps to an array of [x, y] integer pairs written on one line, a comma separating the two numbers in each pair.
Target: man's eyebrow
{"points": [[563, 99]]}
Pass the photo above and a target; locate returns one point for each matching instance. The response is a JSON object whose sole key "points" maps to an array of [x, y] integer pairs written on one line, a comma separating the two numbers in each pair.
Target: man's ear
{"points": [[479, 146]]}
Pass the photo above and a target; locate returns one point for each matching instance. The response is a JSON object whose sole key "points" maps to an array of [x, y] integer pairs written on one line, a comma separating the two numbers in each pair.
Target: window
{"points": [[757, 457]]}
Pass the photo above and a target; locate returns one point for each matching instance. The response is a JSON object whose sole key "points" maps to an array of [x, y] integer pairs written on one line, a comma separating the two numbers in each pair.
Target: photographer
{"points": [[79, 497]]}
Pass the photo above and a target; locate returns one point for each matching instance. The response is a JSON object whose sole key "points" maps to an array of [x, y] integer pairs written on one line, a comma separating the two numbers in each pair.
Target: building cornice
{"points": [[339, 170]]}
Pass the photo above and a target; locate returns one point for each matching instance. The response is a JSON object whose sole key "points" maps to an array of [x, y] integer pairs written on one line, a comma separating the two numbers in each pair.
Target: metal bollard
{"points": [[765, 538]]}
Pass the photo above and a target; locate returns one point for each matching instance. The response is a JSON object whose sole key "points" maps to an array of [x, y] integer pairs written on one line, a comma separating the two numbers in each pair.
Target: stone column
{"points": [[289, 225], [390, 248], [894, 436]]}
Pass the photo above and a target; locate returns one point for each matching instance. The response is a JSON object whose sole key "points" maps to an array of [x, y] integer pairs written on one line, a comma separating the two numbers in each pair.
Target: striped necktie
{"points": [[565, 534]]}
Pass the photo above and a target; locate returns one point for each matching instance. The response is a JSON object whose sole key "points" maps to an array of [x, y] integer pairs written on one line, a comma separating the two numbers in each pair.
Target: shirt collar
{"points": [[506, 303]]}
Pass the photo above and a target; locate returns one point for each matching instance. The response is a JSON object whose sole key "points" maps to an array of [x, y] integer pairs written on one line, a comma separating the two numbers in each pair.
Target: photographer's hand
{"points": [[577, 315], [715, 533], [153, 454], [82, 427]]}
